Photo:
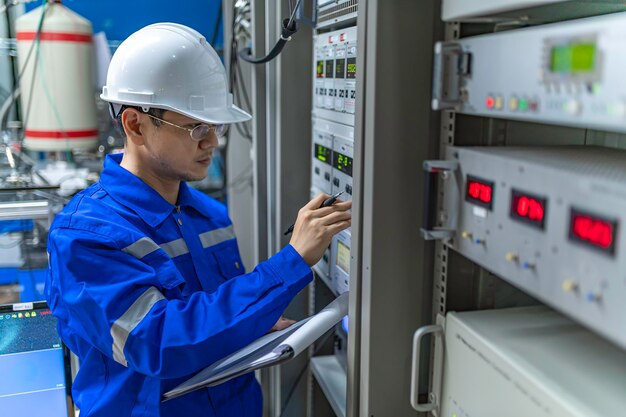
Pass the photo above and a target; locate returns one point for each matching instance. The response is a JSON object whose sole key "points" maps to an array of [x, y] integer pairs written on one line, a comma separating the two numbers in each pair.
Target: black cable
{"points": [[301, 374], [289, 28], [14, 71]]}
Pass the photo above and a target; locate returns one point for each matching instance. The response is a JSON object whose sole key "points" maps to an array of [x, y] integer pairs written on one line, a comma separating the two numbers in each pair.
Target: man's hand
{"points": [[282, 324], [315, 227]]}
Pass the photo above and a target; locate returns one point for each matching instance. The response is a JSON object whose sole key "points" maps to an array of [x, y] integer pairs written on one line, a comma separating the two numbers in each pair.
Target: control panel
{"points": [[331, 172], [322, 155], [551, 221], [567, 73], [340, 261], [322, 268], [335, 75], [342, 156]]}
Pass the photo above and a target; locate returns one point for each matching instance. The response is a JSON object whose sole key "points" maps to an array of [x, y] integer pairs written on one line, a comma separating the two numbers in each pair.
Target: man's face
{"points": [[171, 153]]}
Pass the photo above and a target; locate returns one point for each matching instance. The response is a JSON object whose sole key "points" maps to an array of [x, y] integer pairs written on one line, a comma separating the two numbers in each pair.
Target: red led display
{"points": [[479, 192], [528, 208], [593, 231]]}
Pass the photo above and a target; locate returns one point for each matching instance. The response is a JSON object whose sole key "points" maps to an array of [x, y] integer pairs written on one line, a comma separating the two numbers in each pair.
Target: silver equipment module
{"points": [[568, 73], [524, 362], [549, 220]]}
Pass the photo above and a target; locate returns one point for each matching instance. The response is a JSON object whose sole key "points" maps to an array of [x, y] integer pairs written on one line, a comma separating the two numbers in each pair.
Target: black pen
{"points": [[328, 202]]}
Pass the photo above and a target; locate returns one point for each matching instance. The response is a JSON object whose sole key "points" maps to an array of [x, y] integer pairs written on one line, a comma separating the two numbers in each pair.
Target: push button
{"points": [[317, 171], [336, 182], [349, 189], [327, 176]]}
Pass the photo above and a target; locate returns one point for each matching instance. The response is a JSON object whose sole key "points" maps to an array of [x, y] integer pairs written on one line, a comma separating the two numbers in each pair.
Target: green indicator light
{"points": [[523, 104]]}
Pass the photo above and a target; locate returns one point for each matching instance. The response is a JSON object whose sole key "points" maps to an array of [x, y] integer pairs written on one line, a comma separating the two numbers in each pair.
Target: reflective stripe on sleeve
{"points": [[141, 248], [130, 319], [213, 237], [175, 248]]}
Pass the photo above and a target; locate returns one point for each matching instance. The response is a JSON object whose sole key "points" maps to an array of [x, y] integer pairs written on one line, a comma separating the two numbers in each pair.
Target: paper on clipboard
{"points": [[271, 349]]}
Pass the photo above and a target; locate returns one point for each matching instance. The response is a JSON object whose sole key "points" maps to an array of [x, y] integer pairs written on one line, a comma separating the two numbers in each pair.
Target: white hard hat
{"points": [[172, 67]]}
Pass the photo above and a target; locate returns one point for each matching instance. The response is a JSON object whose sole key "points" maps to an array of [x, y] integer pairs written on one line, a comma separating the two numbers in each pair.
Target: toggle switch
{"points": [[593, 296], [466, 235], [528, 265], [511, 257], [569, 285]]}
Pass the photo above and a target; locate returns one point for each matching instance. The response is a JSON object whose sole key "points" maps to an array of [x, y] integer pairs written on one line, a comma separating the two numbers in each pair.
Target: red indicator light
{"points": [[593, 231], [490, 102], [479, 192], [528, 208]]}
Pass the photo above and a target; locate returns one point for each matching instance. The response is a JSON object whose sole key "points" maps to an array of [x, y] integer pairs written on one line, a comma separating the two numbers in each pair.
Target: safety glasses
{"points": [[200, 131]]}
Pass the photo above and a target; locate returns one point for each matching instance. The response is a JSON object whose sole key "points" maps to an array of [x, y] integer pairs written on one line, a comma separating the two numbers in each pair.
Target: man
{"points": [[145, 275]]}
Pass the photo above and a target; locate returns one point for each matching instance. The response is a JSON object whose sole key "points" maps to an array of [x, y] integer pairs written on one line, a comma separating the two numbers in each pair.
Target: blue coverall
{"points": [[148, 293]]}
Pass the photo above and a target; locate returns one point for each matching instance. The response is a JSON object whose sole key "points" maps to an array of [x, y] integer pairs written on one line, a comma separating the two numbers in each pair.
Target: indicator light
{"points": [[490, 102], [513, 103], [499, 103], [523, 104]]}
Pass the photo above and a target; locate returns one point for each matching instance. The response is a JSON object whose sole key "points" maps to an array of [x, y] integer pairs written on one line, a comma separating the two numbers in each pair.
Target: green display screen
{"points": [[320, 69], [343, 163], [323, 153], [573, 58]]}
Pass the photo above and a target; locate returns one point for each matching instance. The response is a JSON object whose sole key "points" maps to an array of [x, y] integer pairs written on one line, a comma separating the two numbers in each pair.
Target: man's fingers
{"points": [[335, 228], [338, 216], [325, 211], [316, 202]]}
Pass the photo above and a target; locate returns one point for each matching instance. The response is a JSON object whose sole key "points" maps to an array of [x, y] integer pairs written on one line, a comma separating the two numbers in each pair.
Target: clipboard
{"points": [[269, 350]]}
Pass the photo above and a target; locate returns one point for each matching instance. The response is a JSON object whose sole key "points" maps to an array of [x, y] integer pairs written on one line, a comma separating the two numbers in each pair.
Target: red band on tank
{"points": [[55, 36], [67, 134]]}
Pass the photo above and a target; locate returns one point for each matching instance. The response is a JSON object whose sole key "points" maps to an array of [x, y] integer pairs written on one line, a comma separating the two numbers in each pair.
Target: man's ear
{"points": [[133, 124]]}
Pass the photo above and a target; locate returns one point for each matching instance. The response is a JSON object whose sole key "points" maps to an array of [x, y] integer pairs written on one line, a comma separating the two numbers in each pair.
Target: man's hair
{"points": [[152, 111]]}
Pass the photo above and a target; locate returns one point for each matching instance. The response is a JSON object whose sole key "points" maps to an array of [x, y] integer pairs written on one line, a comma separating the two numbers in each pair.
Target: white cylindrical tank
{"points": [[57, 96]]}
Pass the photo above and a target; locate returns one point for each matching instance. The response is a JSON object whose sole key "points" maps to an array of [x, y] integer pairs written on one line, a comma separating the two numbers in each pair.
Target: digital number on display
{"points": [[593, 231], [323, 153], [342, 162], [479, 192], [351, 68], [320, 69], [528, 208]]}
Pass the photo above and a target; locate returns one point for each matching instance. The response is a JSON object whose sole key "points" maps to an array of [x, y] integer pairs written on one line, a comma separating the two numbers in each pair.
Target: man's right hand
{"points": [[315, 227]]}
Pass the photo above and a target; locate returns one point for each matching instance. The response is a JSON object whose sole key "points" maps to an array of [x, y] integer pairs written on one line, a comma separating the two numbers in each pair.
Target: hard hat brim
{"points": [[232, 114]]}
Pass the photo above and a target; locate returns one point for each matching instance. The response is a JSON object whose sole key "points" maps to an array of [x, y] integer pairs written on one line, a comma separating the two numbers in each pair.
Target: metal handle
{"points": [[429, 230], [448, 66], [415, 368]]}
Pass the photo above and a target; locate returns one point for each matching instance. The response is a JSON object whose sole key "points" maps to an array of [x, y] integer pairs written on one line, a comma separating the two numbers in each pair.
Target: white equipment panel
{"points": [[335, 75], [551, 221], [322, 156], [526, 362], [568, 73]]}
